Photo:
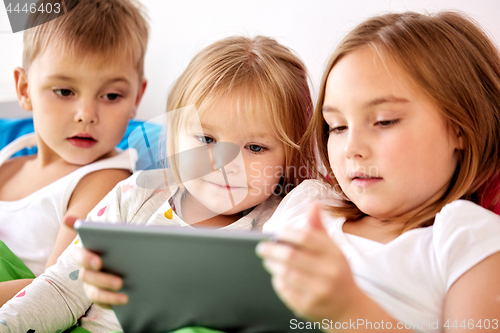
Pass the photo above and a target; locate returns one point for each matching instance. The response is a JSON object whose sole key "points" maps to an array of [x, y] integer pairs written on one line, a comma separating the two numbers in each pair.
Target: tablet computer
{"points": [[180, 277]]}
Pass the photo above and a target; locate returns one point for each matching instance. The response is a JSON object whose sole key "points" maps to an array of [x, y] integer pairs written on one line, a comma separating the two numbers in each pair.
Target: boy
{"points": [[82, 78]]}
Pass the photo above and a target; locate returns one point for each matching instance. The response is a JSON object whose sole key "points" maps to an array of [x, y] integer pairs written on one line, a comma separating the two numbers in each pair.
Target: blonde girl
{"points": [[248, 93], [407, 126]]}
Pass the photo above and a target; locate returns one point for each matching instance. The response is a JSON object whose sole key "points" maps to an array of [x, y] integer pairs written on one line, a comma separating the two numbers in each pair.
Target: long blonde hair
{"points": [[268, 73], [454, 62]]}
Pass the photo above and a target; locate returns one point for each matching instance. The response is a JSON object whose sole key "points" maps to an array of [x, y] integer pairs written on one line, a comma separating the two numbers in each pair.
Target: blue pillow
{"points": [[143, 136]]}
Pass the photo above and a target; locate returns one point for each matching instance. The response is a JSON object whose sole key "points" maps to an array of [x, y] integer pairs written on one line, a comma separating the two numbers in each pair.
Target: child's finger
{"points": [[292, 276], [101, 279], [313, 236], [310, 239], [69, 221], [87, 259], [104, 298], [314, 220], [289, 295], [295, 258]]}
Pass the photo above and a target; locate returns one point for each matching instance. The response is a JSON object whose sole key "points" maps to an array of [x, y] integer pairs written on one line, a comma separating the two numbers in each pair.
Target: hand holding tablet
{"points": [[176, 277]]}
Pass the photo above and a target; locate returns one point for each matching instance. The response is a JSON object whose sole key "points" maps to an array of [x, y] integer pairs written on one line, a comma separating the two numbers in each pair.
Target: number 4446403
{"points": [[472, 324], [33, 8]]}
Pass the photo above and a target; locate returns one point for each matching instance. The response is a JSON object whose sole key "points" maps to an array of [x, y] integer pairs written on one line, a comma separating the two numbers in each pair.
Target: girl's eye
{"points": [[337, 130], [63, 92], [206, 139], [387, 123], [256, 148], [111, 97]]}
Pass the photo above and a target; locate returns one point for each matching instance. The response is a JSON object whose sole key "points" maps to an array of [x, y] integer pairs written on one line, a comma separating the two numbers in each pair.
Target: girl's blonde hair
{"points": [[261, 73], [454, 62]]}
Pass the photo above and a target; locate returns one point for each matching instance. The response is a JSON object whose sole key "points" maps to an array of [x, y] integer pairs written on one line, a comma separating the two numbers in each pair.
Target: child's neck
{"points": [[197, 215], [374, 229]]}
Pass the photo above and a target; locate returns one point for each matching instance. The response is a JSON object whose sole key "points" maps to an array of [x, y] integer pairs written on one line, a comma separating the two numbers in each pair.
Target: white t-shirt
{"points": [[29, 226], [409, 276]]}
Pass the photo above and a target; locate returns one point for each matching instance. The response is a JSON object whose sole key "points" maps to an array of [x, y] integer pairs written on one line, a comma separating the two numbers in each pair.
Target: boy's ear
{"points": [[23, 94], [142, 87]]}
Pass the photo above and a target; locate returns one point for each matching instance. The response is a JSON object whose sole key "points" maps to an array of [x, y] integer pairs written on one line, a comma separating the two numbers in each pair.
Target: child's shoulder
{"points": [[92, 188], [294, 207], [464, 234], [145, 190], [142, 186], [463, 220], [461, 213], [309, 191]]}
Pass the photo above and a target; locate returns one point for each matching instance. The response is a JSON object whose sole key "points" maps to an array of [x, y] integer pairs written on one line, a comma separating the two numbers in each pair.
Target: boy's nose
{"points": [[87, 113]]}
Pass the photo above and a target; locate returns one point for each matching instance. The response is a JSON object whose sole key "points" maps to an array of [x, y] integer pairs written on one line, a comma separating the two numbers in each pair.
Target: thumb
{"points": [[314, 220], [69, 221]]}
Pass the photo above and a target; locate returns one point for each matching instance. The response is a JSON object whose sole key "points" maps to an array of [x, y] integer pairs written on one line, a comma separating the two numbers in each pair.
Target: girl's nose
{"points": [[356, 145], [236, 165]]}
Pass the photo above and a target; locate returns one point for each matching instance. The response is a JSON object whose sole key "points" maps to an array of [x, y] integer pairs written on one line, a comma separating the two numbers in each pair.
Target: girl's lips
{"points": [[225, 187], [366, 181], [82, 142]]}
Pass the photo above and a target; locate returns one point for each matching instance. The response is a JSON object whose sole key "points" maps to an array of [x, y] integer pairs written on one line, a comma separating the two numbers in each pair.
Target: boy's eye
{"points": [[256, 148], [337, 129], [63, 92], [111, 97], [206, 139]]}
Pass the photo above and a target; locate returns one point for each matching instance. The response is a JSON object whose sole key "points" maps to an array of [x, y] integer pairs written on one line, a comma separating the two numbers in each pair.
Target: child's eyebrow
{"points": [[372, 103], [386, 99], [61, 78], [71, 79], [260, 135], [328, 109], [118, 79]]}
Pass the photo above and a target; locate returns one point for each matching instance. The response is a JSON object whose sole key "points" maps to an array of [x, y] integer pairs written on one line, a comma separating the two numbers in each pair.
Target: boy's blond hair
{"points": [[103, 28], [260, 73]]}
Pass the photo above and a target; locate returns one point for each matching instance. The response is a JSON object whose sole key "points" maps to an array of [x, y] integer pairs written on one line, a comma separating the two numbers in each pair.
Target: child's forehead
{"points": [[247, 106], [231, 114], [57, 55]]}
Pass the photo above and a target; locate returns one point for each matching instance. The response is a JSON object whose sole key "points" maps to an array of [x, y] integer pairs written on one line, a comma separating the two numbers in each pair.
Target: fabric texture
{"points": [[11, 267], [56, 299], [29, 226], [409, 276]]}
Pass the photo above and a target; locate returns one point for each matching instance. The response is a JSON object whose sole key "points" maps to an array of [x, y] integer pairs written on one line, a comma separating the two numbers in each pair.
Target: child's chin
{"points": [[80, 160]]}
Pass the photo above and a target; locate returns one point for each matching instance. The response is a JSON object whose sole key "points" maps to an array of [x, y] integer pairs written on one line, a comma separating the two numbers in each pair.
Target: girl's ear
{"points": [[23, 94]]}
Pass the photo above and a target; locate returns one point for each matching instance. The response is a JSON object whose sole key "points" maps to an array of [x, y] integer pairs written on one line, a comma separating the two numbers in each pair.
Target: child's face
{"points": [[256, 171], [81, 107], [389, 148]]}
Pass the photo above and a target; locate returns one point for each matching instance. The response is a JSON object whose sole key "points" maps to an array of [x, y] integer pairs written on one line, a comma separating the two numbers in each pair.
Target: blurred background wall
{"points": [[179, 29]]}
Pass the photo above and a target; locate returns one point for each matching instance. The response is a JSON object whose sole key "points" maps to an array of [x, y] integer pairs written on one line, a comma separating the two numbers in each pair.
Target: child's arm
{"points": [[87, 194], [475, 298], [312, 276], [9, 289], [53, 301]]}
